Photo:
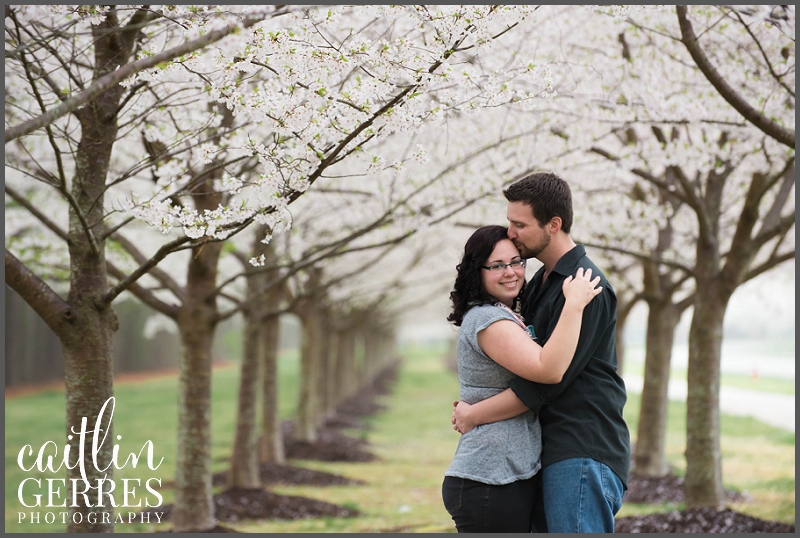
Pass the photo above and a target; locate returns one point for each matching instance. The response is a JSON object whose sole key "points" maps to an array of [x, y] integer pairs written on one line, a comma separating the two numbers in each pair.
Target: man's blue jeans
{"points": [[581, 495]]}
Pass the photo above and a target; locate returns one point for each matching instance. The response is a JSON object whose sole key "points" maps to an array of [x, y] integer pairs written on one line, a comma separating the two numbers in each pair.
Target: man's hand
{"points": [[461, 420]]}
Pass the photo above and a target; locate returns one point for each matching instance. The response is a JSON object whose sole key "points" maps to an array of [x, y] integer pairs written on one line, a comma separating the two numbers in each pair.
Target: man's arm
{"points": [[499, 407], [599, 317]]}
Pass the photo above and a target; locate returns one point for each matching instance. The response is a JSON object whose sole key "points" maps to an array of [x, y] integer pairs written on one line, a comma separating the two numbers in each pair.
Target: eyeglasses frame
{"points": [[522, 263]]}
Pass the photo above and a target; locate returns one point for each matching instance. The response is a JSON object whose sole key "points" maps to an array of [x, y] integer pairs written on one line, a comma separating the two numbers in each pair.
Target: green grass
{"points": [[757, 459], [402, 491], [143, 411], [415, 442]]}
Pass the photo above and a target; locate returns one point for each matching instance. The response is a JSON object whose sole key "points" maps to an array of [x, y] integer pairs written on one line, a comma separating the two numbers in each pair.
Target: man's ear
{"points": [[554, 225]]}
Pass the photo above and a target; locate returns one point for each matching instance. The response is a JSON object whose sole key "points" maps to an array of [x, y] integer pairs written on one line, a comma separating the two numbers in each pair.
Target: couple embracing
{"points": [[544, 446]]}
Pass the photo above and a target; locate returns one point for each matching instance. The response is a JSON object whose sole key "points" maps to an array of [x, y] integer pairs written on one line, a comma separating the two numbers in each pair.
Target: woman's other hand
{"points": [[462, 422], [580, 290]]}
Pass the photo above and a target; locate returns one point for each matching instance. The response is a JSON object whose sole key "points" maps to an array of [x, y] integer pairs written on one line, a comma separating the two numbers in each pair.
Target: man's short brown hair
{"points": [[548, 195]]}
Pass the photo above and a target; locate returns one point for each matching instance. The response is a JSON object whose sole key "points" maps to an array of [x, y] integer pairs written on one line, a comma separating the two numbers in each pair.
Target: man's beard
{"points": [[532, 252]]}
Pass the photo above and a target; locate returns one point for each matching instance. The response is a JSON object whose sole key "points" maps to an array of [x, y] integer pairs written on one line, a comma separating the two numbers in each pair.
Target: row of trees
{"points": [[700, 135], [208, 125], [675, 128], [121, 116]]}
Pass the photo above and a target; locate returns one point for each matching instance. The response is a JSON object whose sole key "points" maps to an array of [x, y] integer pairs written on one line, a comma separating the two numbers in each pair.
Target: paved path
{"points": [[774, 409]]}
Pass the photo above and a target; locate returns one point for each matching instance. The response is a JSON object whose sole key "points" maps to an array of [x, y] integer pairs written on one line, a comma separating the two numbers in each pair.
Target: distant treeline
{"points": [[33, 352]]}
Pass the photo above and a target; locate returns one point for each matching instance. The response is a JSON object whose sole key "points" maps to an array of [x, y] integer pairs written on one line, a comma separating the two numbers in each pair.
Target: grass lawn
{"points": [[412, 437], [144, 410], [757, 459], [415, 442]]}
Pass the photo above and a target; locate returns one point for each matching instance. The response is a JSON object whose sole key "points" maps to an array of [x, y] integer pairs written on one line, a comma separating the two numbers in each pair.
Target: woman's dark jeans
{"points": [[479, 507]]}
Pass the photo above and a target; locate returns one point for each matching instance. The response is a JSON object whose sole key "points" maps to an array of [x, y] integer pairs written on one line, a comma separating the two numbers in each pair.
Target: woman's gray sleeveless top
{"points": [[500, 452]]}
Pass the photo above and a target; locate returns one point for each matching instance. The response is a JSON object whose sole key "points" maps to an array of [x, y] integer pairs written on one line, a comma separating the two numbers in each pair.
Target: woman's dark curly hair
{"points": [[468, 290]]}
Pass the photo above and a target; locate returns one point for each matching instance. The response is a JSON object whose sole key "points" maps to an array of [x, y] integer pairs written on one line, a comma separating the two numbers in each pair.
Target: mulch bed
{"points": [[275, 473], [669, 488], [661, 489], [700, 520], [237, 504], [332, 445]]}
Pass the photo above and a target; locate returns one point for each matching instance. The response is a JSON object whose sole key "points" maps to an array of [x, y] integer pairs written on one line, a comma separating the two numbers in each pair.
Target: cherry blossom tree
{"points": [[288, 96], [676, 172], [289, 158], [63, 103], [339, 220], [717, 185]]}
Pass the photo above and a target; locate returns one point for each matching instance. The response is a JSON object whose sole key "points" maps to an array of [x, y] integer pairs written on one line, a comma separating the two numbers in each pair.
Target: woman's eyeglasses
{"points": [[500, 267]]}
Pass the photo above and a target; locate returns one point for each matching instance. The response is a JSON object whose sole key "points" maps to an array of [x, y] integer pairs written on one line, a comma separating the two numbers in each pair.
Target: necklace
{"points": [[520, 321]]}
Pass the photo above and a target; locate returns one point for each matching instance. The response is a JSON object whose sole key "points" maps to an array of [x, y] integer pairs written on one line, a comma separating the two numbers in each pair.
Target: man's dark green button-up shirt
{"points": [[582, 415]]}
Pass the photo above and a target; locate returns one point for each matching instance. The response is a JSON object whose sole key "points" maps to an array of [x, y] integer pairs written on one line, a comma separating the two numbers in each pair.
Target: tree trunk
{"points": [[272, 449], [334, 382], [244, 472], [197, 321], [359, 359], [88, 353], [194, 511], [345, 373], [88, 377], [309, 403], [703, 484], [650, 458], [326, 354], [372, 354]]}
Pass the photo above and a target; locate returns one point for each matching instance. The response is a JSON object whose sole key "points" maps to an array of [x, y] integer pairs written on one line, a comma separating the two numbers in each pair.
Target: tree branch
{"points": [[783, 225], [127, 281], [104, 83], [55, 311], [778, 78], [159, 274], [640, 256], [44, 219], [767, 265], [767, 126], [774, 213], [145, 295]]}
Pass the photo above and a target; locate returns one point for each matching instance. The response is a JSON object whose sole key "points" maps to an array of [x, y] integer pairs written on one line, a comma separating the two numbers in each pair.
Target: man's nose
{"points": [[512, 233]]}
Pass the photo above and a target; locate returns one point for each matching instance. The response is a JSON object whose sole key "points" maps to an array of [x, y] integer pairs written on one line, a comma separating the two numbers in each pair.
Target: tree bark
{"points": [[326, 355], [334, 382], [649, 458], [272, 448], [308, 407], [703, 485], [88, 351], [372, 354], [244, 472], [345, 373], [197, 320]]}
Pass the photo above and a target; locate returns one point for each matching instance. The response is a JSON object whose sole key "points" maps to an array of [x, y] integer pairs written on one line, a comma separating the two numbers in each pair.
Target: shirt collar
{"points": [[566, 264]]}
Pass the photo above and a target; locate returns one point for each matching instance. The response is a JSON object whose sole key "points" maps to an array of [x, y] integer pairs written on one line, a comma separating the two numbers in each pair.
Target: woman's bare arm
{"points": [[499, 407], [508, 345]]}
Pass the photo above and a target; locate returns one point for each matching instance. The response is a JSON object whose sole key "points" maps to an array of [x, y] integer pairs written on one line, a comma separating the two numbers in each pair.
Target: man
{"points": [[586, 443]]}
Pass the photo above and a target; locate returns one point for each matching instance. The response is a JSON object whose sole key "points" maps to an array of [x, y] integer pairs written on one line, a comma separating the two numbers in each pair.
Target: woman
{"points": [[489, 486]]}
